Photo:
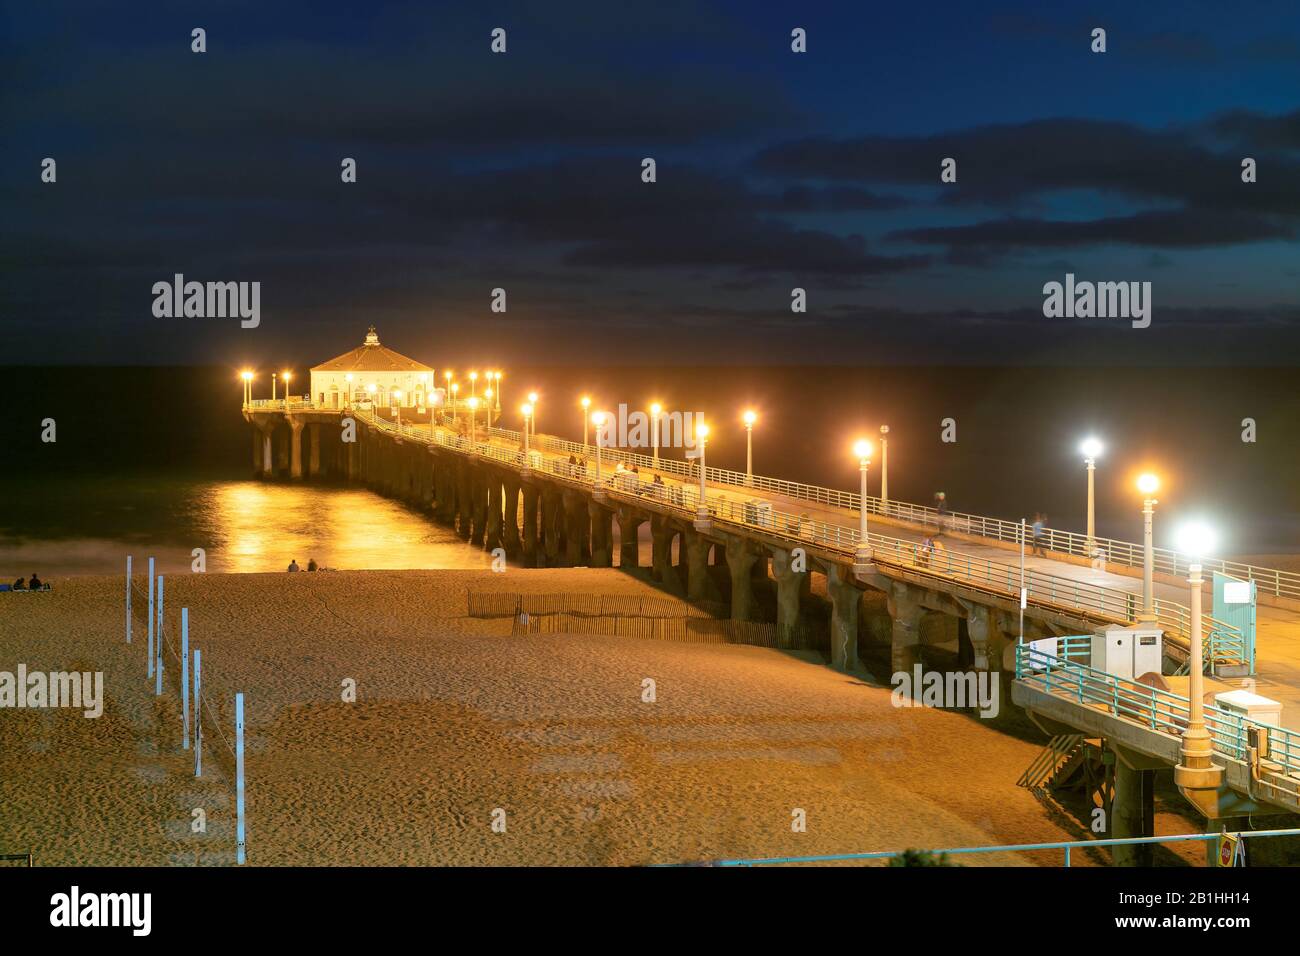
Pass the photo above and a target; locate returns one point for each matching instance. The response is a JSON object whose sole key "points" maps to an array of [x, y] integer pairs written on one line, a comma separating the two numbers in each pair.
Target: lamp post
{"points": [[473, 382], [455, 390], [1091, 448], [247, 376], [655, 409], [273, 386], [862, 557], [884, 467], [1196, 770], [473, 409], [586, 404], [702, 520], [487, 411], [527, 411], [532, 400], [347, 390], [397, 406], [749, 418], [497, 376], [598, 419], [1147, 484], [284, 377]]}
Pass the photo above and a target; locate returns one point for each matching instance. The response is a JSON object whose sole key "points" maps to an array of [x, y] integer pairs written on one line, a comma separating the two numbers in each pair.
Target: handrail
{"points": [[1046, 590], [1157, 709], [1125, 553]]}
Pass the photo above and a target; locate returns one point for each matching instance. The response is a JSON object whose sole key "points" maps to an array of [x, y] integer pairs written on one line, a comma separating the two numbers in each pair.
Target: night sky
{"points": [[775, 170]]}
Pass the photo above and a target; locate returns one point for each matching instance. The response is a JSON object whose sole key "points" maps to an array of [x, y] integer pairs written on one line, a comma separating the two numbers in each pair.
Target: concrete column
{"points": [[313, 462], [845, 598], [282, 450], [788, 585], [268, 461], [478, 505], [905, 644], [1132, 812], [577, 525], [510, 515], [629, 538], [602, 535], [530, 524], [552, 522], [699, 586], [492, 540], [295, 448], [353, 453], [661, 537], [257, 450], [464, 500], [740, 563]]}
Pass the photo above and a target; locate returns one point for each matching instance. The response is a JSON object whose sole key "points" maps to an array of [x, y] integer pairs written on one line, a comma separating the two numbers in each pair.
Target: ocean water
{"points": [[68, 526]]}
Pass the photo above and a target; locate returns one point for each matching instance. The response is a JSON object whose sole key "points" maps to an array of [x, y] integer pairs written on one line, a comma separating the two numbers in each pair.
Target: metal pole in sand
{"points": [[185, 678], [158, 642], [198, 716], [149, 673], [239, 778], [128, 599]]}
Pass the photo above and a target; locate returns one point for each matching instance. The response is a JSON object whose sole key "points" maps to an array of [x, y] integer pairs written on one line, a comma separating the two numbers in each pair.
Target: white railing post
{"points": [[198, 714], [149, 672], [158, 642], [185, 678], [239, 778], [128, 599]]}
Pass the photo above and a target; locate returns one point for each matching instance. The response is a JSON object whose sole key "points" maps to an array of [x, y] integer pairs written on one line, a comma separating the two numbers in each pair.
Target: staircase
{"points": [[1055, 760]]}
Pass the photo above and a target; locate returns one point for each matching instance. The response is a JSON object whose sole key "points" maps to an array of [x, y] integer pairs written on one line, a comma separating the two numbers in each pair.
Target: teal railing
{"points": [[1158, 710]]}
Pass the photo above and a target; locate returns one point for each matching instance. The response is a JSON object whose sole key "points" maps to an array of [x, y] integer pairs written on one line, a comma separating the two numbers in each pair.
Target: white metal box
{"points": [[1127, 652], [1253, 707]]}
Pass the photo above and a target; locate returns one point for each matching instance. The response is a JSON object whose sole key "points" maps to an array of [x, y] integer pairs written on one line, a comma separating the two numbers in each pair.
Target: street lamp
{"points": [[586, 404], [862, 448], [455, 390], [497, 376], [473, 408], [247, 376], [397, 405], [1196, 770], [473, 380], [273, 374], [1147, 484], [284, 377], [884, 467], [532, 400], [527, 411], [702, 521], [347, 389], [487, 412], [655, 409], [1091, 449], [749, 418], [598, 418]]}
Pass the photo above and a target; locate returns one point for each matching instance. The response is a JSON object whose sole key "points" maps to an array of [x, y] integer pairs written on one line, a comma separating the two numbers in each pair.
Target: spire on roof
{"points": [[372, 337]]}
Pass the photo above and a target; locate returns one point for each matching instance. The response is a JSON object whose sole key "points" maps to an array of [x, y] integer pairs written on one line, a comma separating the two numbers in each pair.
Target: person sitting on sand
{"points": [[20, 584], [311, 564], [293, 565], [34, 583]]}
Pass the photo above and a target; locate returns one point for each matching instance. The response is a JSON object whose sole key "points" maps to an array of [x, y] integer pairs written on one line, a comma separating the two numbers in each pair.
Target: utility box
{"points": [[1253, 707], [1128, 652]]}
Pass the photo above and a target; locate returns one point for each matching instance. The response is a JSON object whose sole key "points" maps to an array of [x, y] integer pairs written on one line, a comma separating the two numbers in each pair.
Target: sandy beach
{"points": [[455, 718]]}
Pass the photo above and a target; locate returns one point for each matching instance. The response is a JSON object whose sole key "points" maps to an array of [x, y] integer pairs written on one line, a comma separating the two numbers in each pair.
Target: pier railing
{"points": [[1222, 643], [1158, 709], [1124, 553]]}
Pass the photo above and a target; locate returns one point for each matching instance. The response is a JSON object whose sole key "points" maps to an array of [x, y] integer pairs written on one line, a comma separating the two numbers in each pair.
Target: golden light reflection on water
{"points": [[261, 527]]}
